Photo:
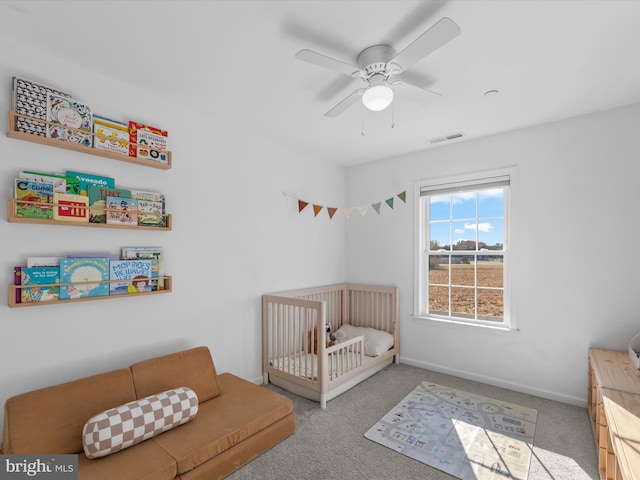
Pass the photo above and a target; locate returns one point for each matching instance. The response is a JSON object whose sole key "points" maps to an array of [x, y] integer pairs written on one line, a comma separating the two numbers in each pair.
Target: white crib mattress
{"points": [[306, 366]]}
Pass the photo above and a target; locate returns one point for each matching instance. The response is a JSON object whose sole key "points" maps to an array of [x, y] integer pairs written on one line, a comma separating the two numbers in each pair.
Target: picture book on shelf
{"points": [[110, 135], [30, 99], [70, 208], [43, 262], [151, 196], [84, 277], [122, 211], [59, 182], [135, 276], [43, 284], [98, 201], [39, 192], [148, 142], [130, 253], [72, 120], [150, 214], [86, 179], [17, 280]]}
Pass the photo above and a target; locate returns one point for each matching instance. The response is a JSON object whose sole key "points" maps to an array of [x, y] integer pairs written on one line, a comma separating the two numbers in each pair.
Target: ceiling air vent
{"points": [[452, 136]]}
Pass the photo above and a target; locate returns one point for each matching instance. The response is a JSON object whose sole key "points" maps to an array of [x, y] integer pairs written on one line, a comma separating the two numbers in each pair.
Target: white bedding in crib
{"points": [[306, 366]]}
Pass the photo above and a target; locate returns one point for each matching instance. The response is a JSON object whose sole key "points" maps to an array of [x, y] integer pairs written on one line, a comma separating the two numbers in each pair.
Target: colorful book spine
{"points": [[17, 281]]}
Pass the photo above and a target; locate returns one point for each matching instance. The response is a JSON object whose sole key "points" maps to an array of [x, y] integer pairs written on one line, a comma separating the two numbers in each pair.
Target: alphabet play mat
{"points": [[463, 434]]}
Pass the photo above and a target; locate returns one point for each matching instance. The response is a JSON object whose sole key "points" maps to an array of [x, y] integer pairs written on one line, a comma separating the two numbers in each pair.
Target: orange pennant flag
{"points": [[403, 196], [347, 212], [331, 211], [301, 205], [316, 210]]}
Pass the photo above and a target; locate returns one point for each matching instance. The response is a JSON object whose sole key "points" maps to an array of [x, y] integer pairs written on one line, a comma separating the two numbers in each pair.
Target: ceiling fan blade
{"points": [[327, 62], [345, 103], [438, 35], [406, 78]]}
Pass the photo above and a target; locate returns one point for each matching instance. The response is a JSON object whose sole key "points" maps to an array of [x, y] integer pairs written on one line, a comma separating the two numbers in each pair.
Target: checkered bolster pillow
{"points": [[121, 427]]}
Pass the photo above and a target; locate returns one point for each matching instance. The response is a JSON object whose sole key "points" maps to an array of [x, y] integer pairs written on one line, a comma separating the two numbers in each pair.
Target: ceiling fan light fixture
{"points": [[377, 97]]}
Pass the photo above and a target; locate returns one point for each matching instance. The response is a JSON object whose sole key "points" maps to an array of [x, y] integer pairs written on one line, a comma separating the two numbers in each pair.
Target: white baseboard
{"points": [[558, 397]]}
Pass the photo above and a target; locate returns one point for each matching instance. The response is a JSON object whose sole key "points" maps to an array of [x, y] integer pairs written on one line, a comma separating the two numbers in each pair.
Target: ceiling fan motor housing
{"points": [[373, 60]]}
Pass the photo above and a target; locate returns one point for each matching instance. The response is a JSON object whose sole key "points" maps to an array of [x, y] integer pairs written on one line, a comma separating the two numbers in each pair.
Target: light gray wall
{"points": [[574, 232], [235, 237]]}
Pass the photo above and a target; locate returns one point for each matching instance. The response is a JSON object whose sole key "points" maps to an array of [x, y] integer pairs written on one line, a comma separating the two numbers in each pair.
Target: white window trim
{"points": [[509, 324]]}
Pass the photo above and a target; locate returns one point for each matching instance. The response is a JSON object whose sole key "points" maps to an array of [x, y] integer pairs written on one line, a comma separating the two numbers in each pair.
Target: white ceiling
{"points": [[548, 59]]}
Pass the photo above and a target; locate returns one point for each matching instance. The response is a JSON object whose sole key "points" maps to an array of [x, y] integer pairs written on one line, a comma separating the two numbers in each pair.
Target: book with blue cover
{"points": [[43, 284], [84, 277]]}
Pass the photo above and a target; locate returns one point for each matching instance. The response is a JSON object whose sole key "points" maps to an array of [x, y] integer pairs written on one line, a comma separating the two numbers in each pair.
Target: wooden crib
{"points": [[296, 354]]}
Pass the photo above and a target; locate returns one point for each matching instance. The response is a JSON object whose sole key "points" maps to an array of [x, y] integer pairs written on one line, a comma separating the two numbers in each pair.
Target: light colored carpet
{"points": [[330, 444], [466, 435]]}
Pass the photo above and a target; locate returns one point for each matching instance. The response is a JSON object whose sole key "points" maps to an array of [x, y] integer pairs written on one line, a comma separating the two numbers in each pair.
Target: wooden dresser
{"points": [[614, 409]]}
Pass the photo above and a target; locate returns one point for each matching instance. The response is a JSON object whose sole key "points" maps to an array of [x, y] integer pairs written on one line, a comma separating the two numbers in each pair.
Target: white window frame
{"points": [[471, 181]]}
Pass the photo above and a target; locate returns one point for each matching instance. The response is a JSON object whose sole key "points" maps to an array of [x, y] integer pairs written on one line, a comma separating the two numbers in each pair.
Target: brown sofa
{"points": [[236, 420]]}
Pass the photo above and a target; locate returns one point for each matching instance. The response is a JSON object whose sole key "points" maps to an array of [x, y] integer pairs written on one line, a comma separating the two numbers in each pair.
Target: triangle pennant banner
{"points": [[347, 211]]}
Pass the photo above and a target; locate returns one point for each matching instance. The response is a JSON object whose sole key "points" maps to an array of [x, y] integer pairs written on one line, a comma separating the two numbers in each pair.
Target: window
{"points": [[463, 250]]}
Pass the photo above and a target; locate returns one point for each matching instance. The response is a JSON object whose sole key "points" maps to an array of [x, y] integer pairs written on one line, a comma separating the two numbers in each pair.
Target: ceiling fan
{"points": [[381, 68]]}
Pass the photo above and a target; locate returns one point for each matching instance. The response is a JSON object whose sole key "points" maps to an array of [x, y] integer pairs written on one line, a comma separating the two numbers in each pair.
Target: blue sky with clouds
{"points": [[457, 216]]}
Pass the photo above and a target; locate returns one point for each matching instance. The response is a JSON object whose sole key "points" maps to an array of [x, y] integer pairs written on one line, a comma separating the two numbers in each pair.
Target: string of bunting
{"points": [[347, 211]]}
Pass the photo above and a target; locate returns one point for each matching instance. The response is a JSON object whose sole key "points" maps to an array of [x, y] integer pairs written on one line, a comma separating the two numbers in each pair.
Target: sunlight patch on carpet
{"points": [[463, 434]]}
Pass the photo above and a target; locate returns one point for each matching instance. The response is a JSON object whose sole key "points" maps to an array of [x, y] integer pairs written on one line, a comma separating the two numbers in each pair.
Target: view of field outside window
{"points": [[466, 241]]}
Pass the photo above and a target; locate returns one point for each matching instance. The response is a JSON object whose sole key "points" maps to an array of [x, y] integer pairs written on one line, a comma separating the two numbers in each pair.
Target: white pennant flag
{"points": [[363, 210]]}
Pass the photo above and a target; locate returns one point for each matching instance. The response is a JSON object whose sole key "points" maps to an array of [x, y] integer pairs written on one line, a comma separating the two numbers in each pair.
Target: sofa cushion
{"points": [[191, 368], [129, 424], [50, 420], [242, 410], [145, 461]]}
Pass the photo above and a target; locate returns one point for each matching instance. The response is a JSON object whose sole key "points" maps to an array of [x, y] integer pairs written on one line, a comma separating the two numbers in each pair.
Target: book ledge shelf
{"points": [[13, 217], [13, 133], [14, 289]]}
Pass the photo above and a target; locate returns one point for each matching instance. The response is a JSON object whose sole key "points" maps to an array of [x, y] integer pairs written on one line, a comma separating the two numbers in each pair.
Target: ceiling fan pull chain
{"points": [[362, 132], [393, 116]]}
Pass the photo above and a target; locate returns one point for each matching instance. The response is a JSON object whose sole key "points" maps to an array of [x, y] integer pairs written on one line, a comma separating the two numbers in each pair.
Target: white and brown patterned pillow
{"points": [[121, 427]]}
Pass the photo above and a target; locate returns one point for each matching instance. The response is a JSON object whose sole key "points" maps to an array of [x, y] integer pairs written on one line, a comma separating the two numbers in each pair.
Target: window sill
{"points": [[453, 324]]}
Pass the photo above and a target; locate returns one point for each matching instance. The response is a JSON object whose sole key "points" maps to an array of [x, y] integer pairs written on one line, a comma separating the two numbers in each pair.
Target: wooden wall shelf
{"points": [[13, 133], [14, 288], [12, 217]]}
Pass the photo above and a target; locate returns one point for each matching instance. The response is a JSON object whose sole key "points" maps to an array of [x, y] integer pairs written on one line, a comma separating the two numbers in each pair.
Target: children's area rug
{"points": [[463, 434]]}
